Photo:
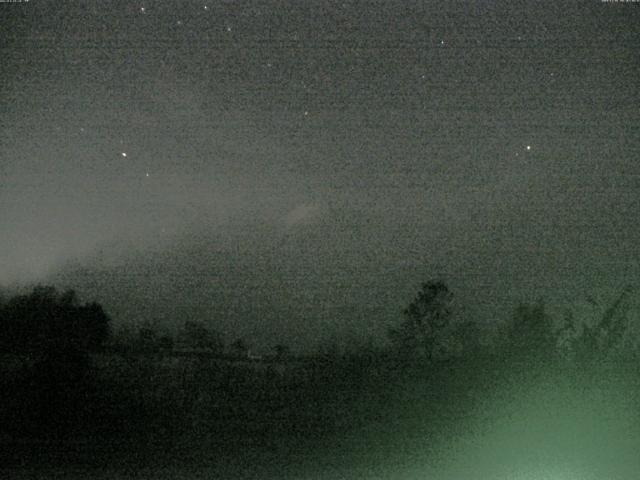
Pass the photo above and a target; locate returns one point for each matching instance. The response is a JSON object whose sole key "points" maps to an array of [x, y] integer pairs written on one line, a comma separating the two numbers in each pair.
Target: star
{"points": [[306, 113], [143, 10], [206, 7], [147, 174], [124, 154], [528, 148], [228, 29]]}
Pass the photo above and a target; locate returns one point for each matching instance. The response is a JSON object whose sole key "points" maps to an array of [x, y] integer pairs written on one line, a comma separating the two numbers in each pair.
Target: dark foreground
{"points": [[362, 419]]}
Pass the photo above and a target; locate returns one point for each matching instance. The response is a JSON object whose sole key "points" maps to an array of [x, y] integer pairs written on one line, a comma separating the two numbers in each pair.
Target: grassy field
{"points": [[158, 417]]}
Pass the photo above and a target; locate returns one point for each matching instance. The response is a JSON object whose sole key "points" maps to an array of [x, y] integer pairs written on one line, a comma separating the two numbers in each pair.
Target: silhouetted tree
{"points": [[45, 320], [603, 338], [55, 333], [424, 319], [566, 336], [149, 340], [196, 336]]}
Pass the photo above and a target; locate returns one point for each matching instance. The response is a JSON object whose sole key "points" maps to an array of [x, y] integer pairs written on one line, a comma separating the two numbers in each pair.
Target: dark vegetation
{"points": [[67, 378]]}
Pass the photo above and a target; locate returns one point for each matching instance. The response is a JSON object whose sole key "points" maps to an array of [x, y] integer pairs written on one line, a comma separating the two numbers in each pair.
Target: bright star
{"points": [[528, 147], [124, 154]]}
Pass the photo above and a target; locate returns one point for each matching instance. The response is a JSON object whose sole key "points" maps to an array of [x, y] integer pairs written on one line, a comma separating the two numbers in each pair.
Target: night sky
{"points": [[285, 170]]}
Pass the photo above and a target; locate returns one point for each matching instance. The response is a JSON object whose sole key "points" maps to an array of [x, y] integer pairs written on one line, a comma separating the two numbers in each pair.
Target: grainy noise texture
{"points": [[250, 193]]}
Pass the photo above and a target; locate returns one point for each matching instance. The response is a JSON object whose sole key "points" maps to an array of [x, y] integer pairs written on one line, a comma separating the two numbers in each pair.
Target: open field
{"points": [[456, 421]]}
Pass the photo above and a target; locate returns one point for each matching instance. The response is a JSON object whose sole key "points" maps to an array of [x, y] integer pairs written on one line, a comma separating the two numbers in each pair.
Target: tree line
{"points": [[53, 350], [47, 322]]}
